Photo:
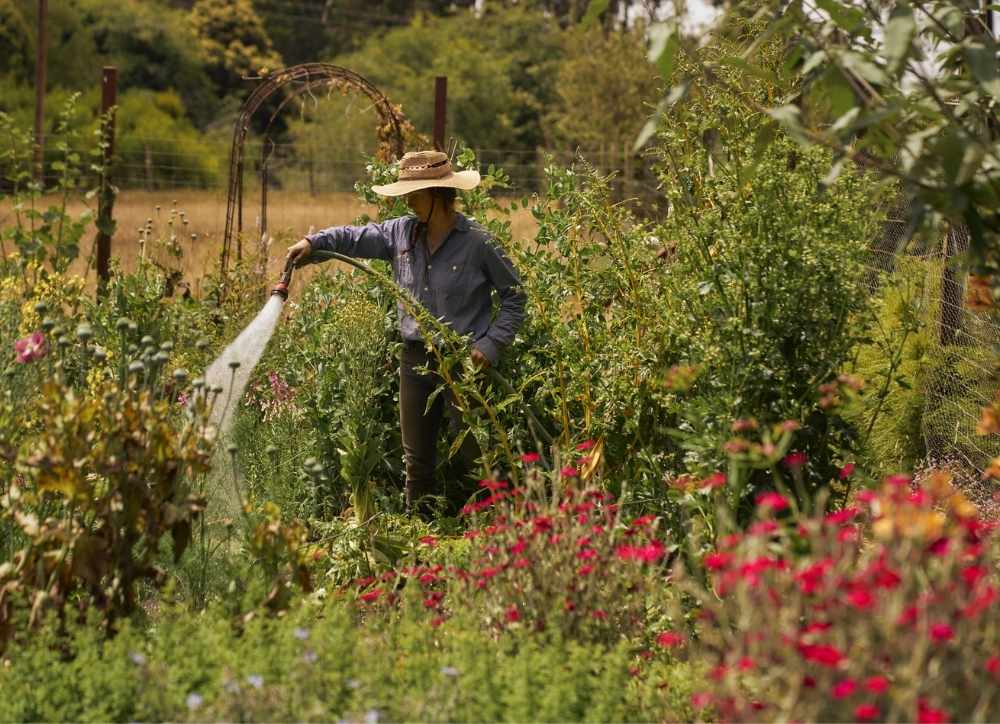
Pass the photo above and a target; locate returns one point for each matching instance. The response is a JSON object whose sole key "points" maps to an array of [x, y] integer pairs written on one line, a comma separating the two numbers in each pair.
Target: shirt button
{"points": [[425, 289], [430, 266], [454, 268]]}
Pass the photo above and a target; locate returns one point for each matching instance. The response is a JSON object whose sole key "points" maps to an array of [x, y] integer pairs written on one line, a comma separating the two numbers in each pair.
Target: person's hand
{"points": [[298, 251], [479, 359]]}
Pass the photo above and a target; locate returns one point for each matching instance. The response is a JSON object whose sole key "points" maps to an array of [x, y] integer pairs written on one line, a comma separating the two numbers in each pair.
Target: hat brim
{"points": [[463, 180]]}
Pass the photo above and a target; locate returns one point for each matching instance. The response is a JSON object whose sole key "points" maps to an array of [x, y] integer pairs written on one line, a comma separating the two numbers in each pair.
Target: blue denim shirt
{"points": [[456, 283]]}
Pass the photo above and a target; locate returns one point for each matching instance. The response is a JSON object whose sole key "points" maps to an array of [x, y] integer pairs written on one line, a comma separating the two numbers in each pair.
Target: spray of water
{"points": [[224, 374]]}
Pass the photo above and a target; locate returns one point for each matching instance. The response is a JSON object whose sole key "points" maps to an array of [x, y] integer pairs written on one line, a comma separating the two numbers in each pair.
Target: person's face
{"points": [[419, 202]]}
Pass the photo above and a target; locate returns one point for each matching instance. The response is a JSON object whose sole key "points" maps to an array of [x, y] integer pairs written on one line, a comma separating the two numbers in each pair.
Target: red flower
{"points": [[512, 615], [844, 688], [866, 712], [428, 540], [599, 615], [518, 548], [811, 577], [972, 574], [586, 554], [764, 527], [942, 632], [745, 663], [993, 665], [861, 598], [841, 516], [542, 524], [926, 714], [772, 501], [585, 445], [493, 485], [585, 569], [795, 459], [530, 458], [643, 521], [670, 639], [846, 471], [713, 481], [371, 595], [522, 562], [717, 560], [569, 472], [822, 654], [877, 684]]}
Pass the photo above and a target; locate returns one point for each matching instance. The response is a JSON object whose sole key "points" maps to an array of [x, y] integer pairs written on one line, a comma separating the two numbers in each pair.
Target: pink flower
{"points": [[846, 471], [183, 399], [844, 688], [772, 501], [585, 445], [795, 460], [877, 684], [569, 472], [942, 632], [700, 699], [31, 348], [745, 663], [670, 639], [529, 458], [866, 712], [840, 517]]}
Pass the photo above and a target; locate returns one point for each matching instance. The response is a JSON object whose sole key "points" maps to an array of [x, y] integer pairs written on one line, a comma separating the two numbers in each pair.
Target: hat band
{"points": [[428, 171]]}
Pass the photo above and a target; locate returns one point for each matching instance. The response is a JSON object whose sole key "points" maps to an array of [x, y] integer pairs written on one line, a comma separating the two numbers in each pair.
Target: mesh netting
{"points": [[954, 349]]}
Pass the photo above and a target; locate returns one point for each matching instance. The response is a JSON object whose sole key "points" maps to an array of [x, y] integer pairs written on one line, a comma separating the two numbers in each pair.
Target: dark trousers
{"points": [[420, 432]]}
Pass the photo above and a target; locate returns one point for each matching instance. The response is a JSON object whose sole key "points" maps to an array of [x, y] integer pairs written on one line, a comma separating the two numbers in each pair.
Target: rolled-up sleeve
{"points": [[371, 241], [507, 282]]}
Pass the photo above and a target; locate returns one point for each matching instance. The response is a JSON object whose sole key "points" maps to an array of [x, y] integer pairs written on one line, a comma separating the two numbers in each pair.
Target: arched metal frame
{"points": [[303, 78]]}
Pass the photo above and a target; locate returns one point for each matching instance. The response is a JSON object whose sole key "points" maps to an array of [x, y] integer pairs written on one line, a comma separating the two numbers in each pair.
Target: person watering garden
{"points": [[453, 267]]}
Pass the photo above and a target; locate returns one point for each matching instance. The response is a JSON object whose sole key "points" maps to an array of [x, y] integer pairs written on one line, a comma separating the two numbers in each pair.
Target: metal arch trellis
{"points": [[303, 78]]}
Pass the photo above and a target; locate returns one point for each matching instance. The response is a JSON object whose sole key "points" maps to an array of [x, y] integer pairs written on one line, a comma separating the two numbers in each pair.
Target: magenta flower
{"points": [[30, 348], [795, 459]]}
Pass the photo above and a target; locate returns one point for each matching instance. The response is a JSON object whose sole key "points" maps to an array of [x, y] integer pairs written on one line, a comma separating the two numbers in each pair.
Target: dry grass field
{"points": [[197, 219]]}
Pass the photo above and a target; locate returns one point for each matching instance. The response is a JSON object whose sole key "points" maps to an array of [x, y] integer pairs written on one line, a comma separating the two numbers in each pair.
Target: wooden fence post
{"points": [[440, 110], [106, 195]]}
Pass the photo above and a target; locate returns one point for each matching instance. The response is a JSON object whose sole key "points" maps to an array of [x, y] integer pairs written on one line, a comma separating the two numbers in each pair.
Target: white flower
{"points": [[255, 680], [449, 671], [194, 701], [300, 633]]}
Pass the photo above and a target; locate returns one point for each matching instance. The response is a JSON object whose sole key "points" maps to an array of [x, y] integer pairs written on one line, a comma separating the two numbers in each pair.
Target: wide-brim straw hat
{"points": [[426, 170]]}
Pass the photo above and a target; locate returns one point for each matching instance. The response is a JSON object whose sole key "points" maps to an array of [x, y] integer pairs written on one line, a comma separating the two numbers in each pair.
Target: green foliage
{"points": [[603, 86], [894, 363], [233, 42], [496, 67], [318, 664], [16, 57], [158, 146]]}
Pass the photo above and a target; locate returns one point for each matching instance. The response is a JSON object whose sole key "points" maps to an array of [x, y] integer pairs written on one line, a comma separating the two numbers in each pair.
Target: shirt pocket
{"points": [[453, 282]]}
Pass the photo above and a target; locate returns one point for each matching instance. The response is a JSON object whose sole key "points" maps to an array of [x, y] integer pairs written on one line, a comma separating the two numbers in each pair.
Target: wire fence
{"points": [[153, 163], [961, 365]]}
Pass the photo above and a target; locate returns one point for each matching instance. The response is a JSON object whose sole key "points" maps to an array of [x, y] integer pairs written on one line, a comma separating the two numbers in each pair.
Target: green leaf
{"points": [[790, 118], [863, 67], [594, 11], [848, 18], [983, 65], [899, 34]]}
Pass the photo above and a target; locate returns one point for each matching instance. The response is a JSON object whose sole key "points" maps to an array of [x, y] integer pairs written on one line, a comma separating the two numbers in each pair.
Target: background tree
{"points": [[233, 43], [16, 46]]}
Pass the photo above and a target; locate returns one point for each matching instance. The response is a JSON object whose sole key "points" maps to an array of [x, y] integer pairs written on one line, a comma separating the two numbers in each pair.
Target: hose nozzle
{"points": [[281, 288]]}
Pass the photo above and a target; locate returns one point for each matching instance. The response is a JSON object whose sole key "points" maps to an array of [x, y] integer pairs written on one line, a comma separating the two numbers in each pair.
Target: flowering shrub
{"points": [[808, 620], [570, 565]]}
